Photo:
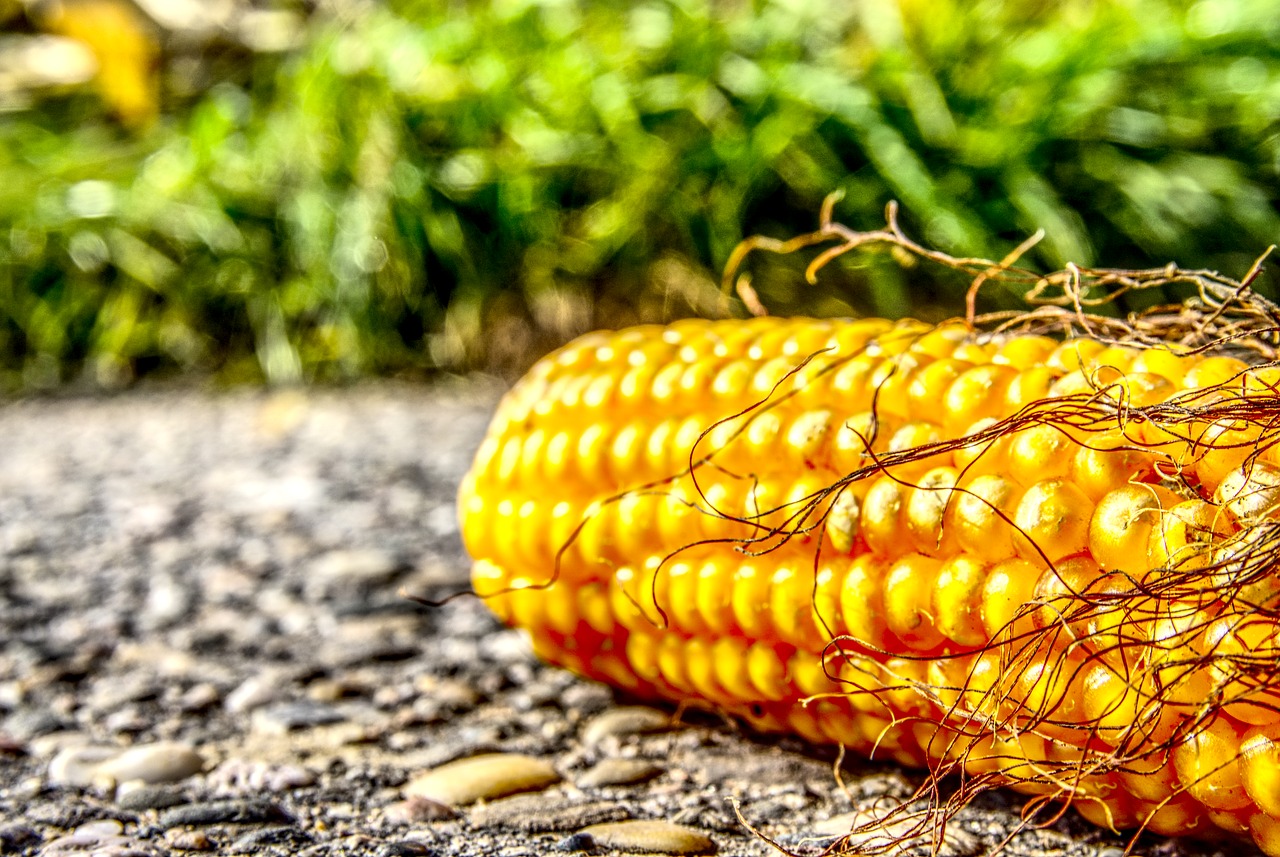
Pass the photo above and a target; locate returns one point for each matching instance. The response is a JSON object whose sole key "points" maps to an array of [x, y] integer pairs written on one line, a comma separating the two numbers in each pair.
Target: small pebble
{"points": [[282, 413], [586, 698], [578, 842], [224, 812], [483, 778], [839, 825], [326, 690], [543, 813], [648, 837], [356, 566], [54, 743], [286, 717], [18, 538], [153, 763], [188, 840], [126, 721], [77, 767], [29, 723], [12, 694], [119, 691], [450, 693], [405, 848], [198, 697], [256, 841], [27, 788], [625, 720], [775, 768], [94, 835], [136, 796], [418, 809], [102, 827], [618, 772], [254, 693]]}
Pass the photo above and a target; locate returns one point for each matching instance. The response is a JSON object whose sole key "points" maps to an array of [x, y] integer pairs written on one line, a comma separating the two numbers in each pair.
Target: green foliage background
{"points": [[450, 185]]}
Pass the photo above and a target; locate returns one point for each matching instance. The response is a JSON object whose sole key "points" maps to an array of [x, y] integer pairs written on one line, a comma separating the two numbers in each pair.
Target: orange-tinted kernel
{"points": [[1053, 521], [1184, 537], [1121, 526], [981, 517], [908, 611]]}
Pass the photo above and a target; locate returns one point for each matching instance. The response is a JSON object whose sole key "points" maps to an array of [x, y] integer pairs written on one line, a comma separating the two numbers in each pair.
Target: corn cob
{"points": [[1031, 562]]}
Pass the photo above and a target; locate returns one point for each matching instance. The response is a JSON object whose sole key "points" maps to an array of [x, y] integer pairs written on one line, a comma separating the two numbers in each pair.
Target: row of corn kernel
{"points": [[645, 450], [583, 380], [894, 513], [1133, 528]]}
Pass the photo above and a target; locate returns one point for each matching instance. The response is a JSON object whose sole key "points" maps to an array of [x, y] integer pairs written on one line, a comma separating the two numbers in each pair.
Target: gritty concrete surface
{"points": [[206, 646]]}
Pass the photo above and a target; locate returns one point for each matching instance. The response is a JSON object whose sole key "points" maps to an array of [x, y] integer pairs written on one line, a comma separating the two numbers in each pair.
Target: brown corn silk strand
{"points": [[875, 535]]}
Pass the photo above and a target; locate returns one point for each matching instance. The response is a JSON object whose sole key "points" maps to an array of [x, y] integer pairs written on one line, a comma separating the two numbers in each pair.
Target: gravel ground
{"points": [[206, 646]]}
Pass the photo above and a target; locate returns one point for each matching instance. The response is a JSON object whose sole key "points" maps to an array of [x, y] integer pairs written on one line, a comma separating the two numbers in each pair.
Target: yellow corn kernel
{"points": [[791, 606], [1053, 521], [1074, 354], [1260, 767], [844, 520], [857, 438], [861, 601], [928, 500], [1032, 385], [1110, 704], [808, 434], [1175, 652], [978, 393], [982, 456], [981, 517], [1040, 452], [1122, 523], [929, 386], [1162, 361], [1047, 694], [1250, 492], [892, 379], [1107, 461], [1025, 352], [882, 525], [1235, 640], [1226, 446], [1010, 587], [1208, 765], [938, 341], [1213, 371], [957, 600], [1060, 590], [912, 436], [1184, 537], [907, 591]]}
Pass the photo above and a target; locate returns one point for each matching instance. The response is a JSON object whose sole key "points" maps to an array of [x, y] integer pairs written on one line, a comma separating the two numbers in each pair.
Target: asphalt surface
{"points": [[217, 584]]}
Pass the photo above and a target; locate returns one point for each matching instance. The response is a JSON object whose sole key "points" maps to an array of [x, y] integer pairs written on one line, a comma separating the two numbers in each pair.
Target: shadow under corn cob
{"points": [[1043, 564]]}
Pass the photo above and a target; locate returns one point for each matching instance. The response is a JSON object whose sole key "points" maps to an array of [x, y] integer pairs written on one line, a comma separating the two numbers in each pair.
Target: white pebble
{"points": [[78, 766], [154, 763]]}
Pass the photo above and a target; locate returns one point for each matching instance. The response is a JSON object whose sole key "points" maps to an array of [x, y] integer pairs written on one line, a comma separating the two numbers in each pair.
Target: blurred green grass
{"points": [[435, 185]]}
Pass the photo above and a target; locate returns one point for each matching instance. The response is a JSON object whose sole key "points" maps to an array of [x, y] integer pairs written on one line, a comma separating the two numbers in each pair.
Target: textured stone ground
{"points": [[214, 584]]}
